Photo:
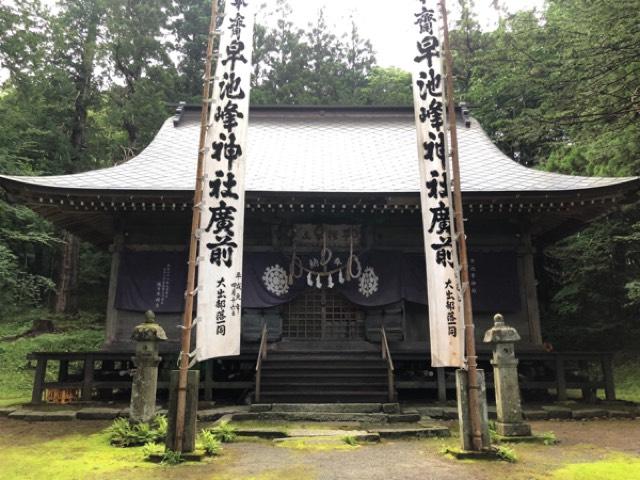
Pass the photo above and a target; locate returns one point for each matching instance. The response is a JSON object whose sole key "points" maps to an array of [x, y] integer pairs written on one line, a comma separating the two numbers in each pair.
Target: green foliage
{"points": [[627, 377], [312, 66], [169, 457], [506, 454], [123, 433], [79, 332], [210, 443], [224, 432], [172, 458], [152, 449], [556, 93], [549, 438], [350, 440]]}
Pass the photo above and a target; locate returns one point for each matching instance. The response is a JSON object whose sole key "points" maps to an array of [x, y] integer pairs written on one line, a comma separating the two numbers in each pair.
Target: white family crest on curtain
{"points": [[222, 220], [443, 284]]}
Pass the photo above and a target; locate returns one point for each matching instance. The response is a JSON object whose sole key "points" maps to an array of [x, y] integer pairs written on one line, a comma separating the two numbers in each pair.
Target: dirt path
{"points": [[78, 450]]}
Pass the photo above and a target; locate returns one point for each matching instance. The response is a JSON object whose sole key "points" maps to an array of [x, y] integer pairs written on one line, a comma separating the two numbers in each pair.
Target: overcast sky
{"points": [[386, 24]]}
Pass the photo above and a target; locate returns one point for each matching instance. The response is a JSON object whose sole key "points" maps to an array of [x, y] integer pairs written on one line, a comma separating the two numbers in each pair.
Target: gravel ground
{"points": [[586, 441]]}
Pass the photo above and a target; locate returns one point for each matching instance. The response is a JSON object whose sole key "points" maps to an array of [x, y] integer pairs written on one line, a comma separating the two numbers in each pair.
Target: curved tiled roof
{"points": [[317, 150]]}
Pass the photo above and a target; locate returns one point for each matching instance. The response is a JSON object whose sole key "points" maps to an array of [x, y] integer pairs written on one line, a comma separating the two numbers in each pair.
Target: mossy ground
{"points": [[80, 450], [616, 466], [315, 444]]}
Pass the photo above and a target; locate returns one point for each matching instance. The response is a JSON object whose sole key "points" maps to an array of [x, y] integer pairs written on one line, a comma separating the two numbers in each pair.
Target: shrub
{"points": [[123, 433], [350, 440], [172, 458], [210, 443], [507, 454], [224, 432]]}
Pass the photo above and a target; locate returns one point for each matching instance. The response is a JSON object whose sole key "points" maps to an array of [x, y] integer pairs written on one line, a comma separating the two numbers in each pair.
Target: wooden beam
{"points": [[531, 289]]}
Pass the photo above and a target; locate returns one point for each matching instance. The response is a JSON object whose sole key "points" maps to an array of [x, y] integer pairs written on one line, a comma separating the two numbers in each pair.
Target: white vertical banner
{"points": [[446, 325], [222, 220]]}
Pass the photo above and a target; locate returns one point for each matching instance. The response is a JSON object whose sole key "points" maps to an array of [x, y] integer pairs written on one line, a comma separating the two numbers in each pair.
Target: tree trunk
{"points": [[67, 295]]}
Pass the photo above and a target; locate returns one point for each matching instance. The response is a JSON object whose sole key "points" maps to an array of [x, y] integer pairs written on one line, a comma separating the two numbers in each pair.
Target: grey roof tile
{"points": [[321, 152]]}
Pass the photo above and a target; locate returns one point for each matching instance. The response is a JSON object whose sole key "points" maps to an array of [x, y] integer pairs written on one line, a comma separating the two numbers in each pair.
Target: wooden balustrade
{"points": [[262, 354], [386, 355]]}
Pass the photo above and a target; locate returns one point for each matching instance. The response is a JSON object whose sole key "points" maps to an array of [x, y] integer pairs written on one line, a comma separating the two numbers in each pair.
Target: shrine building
{"points": [[333, 256]]}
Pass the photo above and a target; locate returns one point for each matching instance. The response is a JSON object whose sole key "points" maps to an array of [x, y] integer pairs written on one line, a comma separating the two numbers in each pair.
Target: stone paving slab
{"points": [[306, 432], [431, 412], [320, 436], [266, 432], [391, 407], [530, 414], [621, 414], [450, 413], [42, 416], [5, 411], [420, 432], [328, 407], [404, 418], [586, 414], [557, 412], [97, 413], [260, 407], [213, 414], [312, 417]]}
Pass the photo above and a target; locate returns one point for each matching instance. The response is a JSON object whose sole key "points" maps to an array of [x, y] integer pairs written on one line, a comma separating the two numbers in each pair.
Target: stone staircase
{"points": [[324, 377], [378, 413]]}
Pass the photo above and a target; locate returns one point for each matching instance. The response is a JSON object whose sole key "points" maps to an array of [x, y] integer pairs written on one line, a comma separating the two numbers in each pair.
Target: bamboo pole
{"points": [[185, 346], [469, 328]]}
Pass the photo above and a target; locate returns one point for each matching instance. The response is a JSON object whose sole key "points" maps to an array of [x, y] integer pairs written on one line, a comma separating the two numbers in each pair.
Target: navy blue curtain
{"points": [[156, 280]]}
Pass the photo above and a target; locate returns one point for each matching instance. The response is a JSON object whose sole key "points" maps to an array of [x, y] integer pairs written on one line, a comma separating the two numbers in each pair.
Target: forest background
{"points": [[90, 83]]}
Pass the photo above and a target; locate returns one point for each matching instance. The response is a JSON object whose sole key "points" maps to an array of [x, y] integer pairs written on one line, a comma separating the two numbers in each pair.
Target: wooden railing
{"points": [[386, 355], [262, 354]]}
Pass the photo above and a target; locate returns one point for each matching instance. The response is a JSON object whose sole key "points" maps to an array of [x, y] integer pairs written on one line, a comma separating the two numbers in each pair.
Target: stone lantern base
{"points": [[513, 429]]}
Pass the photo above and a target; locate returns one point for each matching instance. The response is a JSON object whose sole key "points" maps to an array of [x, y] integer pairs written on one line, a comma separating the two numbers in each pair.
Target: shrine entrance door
{"points": [[323, 314]]}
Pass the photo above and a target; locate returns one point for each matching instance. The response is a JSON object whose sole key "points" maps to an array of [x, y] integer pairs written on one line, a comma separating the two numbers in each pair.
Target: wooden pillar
{"points": [[607, 373], [531, 289], [208, 380], [63, 373], [442, 384], [38, 380], [112, 313], [561, 379], [87, 379]]}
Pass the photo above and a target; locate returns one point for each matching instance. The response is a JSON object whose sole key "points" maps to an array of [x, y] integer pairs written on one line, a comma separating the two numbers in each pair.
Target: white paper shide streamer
{"points": [[443, 284], [222, 220]]}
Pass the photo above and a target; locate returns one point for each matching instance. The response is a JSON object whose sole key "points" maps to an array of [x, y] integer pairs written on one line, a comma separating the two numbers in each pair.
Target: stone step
{"points": [[413, 432], [304, 385], [315, 357], [311, 417], [43, 416], [298, 370], [323, 396], [329, 407], [324, 377], [100, 413]]}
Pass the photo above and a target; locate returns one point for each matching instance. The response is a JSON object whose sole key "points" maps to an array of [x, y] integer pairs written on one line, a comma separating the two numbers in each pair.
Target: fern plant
{"points": [[210, 443], [224, 432]]}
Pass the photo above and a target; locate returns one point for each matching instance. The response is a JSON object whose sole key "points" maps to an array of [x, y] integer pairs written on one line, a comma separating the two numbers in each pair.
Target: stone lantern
{"points": [[147, 335], [505, 372]]}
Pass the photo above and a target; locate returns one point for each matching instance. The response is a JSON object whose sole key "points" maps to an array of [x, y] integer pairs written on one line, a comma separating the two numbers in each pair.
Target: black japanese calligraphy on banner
{"points": [[221, 230], [443, 284]]}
